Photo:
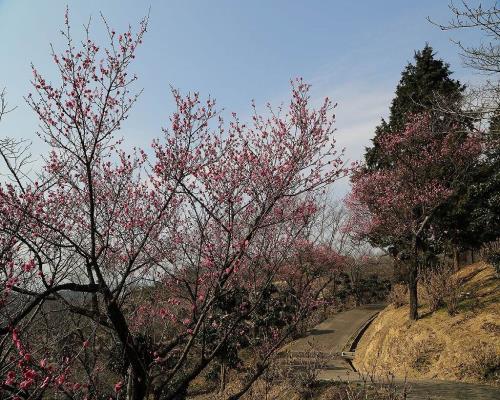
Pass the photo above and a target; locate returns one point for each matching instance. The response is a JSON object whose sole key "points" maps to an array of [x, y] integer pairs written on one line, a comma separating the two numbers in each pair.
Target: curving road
{"points": [[328, 339], [323, 346]]}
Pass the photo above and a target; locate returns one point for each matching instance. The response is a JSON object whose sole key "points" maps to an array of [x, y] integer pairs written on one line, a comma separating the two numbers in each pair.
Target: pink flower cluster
{"points": [[425, 160]]}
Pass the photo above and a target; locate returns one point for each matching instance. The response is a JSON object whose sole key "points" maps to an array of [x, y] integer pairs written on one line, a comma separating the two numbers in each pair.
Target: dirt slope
{"points": [[464, 347]]}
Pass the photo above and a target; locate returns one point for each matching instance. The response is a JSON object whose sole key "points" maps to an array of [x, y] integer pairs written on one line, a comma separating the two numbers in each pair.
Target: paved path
{"points": [[445, 390], [327, 340], [334, 333]]}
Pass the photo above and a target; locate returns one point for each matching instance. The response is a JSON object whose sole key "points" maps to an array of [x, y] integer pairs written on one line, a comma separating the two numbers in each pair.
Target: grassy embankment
{"points": [[463, 347]]}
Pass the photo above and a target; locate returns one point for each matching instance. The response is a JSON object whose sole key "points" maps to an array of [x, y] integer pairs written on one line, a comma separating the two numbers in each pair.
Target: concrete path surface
{"points": [[327, 340], [322, 346], [334, 333], [444, 390]]}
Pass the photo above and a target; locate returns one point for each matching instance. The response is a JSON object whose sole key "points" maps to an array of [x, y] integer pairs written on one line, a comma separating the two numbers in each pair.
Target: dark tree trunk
{"points": [[136, 387], [358, 298], [412, 289], [222, 388], [456, 258]]}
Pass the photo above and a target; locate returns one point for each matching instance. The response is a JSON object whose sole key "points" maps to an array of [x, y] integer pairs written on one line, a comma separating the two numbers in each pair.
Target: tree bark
{"points": [[412, 289], [137, 385], [136, 388], [456, 258], [222, 388]]}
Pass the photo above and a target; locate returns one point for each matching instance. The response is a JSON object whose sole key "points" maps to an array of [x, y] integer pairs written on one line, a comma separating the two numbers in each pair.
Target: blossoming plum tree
{"points": [[395, 206], [150, 266]]}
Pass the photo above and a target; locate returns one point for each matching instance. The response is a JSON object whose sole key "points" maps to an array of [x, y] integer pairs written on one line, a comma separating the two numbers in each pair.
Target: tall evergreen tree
{"points": [[472, 217], [493, 136], [425, 88], [486, 186], [423, 83]]}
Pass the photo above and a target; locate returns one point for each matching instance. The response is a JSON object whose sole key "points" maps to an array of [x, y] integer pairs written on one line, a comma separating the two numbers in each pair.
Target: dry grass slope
{"points": [[464, 347]]}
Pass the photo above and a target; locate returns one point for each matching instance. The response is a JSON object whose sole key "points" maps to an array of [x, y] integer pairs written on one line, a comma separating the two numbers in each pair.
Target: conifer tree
{"points": [[422, 84], [472, 217]]}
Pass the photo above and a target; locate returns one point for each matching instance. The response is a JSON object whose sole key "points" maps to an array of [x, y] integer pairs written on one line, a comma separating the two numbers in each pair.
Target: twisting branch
{"points": [[484, 57]]}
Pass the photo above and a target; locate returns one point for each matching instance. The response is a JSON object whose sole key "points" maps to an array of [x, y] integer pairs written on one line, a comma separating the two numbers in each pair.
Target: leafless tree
{"points": [[484, 57], [14, 153], [329, 229], [480, 102]]}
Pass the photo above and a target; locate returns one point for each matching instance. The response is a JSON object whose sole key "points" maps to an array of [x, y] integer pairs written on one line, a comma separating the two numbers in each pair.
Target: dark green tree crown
{"points": [[423, 84]]}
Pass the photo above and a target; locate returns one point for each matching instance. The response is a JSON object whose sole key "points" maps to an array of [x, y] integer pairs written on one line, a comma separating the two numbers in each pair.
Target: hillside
{"points": [[464, 347]]}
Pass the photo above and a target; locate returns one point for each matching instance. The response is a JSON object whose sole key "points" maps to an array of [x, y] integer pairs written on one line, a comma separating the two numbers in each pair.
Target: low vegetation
{"points": [[462, 345], [300, 382]]}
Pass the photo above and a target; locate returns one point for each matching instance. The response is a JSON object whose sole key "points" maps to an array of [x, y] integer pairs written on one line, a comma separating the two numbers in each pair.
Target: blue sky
{"points": [[351, 51]]}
